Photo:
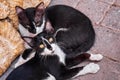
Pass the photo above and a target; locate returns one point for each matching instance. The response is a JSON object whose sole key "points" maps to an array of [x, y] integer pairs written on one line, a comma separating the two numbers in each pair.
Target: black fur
{"points": [[80, 35], [38, 67]]}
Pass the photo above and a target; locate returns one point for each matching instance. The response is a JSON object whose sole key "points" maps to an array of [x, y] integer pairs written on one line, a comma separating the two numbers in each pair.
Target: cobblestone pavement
{"points": [[105, 16]]}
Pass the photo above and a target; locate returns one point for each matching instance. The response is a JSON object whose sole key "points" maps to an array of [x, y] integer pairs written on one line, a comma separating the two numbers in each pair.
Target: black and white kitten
{"points": [[49, 62], [73, 30]]}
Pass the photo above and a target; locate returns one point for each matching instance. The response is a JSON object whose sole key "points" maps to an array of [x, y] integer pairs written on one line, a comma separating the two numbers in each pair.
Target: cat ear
{"points": [[21, 15], [19, 9], [40, 9], [48, 27]]}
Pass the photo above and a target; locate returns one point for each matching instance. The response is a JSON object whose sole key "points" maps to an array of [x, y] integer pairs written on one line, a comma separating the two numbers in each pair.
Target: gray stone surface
{"points": [[105, 16], [117, 3], [93, 9], [112, 18]]}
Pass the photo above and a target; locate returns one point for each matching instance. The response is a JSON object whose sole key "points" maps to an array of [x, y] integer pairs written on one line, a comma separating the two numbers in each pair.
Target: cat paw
{"points": [[88, 69], [96, 57], [92, 68]]}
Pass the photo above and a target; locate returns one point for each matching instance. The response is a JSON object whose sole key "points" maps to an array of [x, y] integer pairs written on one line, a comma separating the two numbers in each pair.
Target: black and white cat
{"points": [[73, 30], [49, 62]]}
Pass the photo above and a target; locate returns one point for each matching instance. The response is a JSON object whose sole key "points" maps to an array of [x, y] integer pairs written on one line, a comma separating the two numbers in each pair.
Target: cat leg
{"points": [[76, 60], [82, 57], [27, 55], [88, 69], [78, 71]]}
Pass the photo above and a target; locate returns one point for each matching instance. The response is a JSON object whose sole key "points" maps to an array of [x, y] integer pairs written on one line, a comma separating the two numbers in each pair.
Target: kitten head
{"points": [[31, 19], [44, 44]]}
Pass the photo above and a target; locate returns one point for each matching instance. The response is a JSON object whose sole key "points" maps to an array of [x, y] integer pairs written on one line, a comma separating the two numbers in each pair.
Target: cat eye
{"points": [[50, 39], [41, 46]]}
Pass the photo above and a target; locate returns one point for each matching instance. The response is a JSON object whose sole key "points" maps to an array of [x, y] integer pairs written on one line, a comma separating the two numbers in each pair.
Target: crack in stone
{"points": [[110, 58], [105, 13], [77, 4], [107, 2], [110, 28]]}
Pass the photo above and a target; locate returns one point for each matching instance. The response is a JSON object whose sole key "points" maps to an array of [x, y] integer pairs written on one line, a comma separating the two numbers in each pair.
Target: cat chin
{"points": [[47, 54]]}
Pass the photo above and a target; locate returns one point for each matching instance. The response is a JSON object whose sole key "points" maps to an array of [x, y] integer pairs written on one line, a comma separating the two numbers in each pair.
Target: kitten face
{"points": [[44, 43], [31, 20], [48, 45]]}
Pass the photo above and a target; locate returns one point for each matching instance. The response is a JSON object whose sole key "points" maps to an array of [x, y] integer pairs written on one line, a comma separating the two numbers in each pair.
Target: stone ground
{"points": [[105, 16]]}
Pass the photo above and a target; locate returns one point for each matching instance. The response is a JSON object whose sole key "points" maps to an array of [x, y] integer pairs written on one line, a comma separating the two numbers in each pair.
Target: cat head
{"points": [[44, 44], [32, 20]]}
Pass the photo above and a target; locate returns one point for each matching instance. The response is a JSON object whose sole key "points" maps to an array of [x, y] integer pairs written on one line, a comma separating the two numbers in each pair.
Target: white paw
{"points": [[96, 57], [92, 68]]}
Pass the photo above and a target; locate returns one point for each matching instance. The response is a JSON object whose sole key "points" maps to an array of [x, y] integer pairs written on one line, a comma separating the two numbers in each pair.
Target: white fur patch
{"points": [[96, 57], [90, 68], [40, 28], [22, 61], [51, 77], [60, 29], [23, 31], [57, 51], [47, 52]]}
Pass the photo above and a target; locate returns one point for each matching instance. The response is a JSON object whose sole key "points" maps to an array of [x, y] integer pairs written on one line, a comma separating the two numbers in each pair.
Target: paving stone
{"points": [[72, 3], [108, 1], [112, 19], [117, 2], [93, 9], [108, 71], [107, 43]]}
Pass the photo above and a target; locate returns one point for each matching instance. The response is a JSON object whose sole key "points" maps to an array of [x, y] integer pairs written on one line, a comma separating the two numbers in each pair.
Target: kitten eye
{"points": [[41, 46], [50, 39]]}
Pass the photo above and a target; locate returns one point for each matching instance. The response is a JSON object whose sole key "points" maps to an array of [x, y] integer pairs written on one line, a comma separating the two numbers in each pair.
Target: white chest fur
{"points": [[59, 53]]}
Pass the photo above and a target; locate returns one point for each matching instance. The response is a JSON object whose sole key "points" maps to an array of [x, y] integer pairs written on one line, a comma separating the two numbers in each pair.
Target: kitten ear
{"points": [[19, 9], [41, 6], [40, 9], [48, 27], [21, 15]]}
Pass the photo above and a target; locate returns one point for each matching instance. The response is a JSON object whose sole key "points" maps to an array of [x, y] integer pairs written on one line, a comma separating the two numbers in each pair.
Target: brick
{"points": [[93, 9], [112, 18], [72, 3], [107, 43]]}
